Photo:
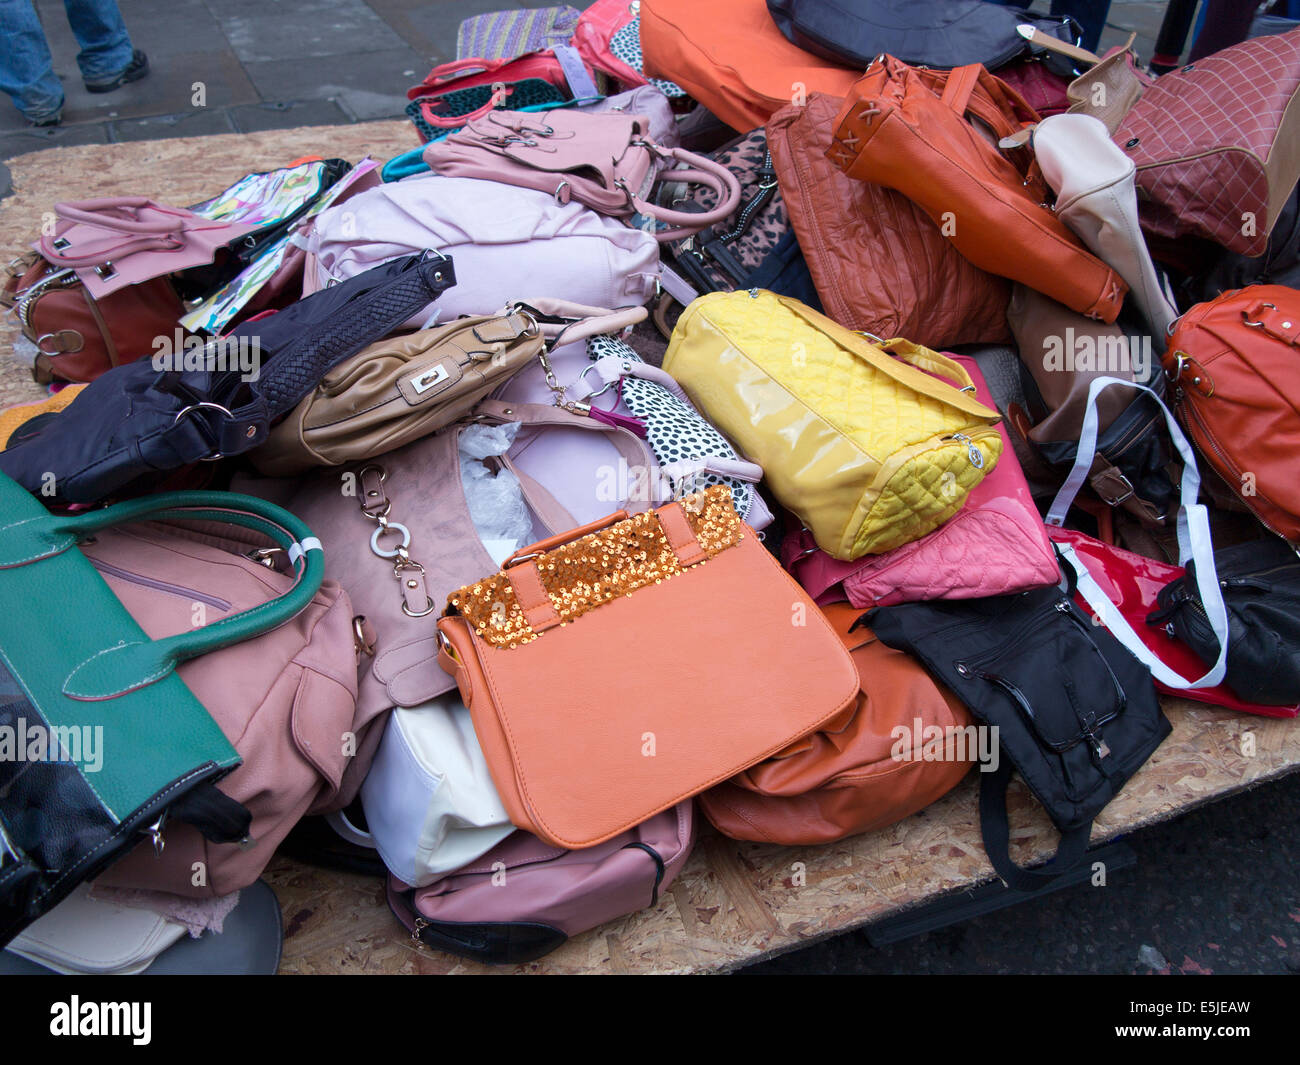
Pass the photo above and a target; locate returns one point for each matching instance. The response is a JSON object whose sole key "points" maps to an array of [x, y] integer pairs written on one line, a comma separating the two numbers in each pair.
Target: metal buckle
{"points": [[1119, 499], [196, 406], [1257, 325]]}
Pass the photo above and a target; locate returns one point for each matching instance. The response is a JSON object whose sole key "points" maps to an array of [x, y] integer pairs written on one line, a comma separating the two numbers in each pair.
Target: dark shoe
{"points": [[137, 69], [49, 120]]}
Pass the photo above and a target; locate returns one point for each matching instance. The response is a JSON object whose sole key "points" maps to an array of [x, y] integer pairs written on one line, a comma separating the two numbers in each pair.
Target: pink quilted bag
{"points": [[995, 545]]}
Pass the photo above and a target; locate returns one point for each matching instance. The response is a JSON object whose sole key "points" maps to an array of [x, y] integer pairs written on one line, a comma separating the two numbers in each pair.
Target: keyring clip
{"points": [[390, 526]]}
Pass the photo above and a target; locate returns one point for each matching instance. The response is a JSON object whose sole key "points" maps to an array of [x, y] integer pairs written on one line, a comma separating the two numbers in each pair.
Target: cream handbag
{"points": [[1096, 197], [856, 438]]}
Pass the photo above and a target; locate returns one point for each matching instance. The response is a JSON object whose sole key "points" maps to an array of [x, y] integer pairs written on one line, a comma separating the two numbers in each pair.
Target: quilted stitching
{"points": [[1203, 136], [923, 494], [879, 413]]}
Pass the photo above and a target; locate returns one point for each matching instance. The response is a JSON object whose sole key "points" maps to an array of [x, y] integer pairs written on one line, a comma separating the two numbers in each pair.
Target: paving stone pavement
{"points": [[1217, 890]]}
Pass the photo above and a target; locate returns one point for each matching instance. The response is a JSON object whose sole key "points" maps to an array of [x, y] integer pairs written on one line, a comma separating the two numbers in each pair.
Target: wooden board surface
{"points": [[737, 903], [734, 903]]}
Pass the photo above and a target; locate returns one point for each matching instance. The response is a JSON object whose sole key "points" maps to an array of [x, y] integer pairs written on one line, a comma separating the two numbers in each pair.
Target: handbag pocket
{"points": [[919, 488], [1042, 670]]}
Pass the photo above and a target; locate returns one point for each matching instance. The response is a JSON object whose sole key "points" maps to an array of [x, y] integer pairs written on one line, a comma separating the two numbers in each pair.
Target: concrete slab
{"points": [[266, 30]]}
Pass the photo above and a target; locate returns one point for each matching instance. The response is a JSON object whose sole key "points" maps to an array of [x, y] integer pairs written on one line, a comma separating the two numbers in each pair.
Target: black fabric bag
{"points": [[1076, 714], [136, 423], [1261, 589], [927, 33]]}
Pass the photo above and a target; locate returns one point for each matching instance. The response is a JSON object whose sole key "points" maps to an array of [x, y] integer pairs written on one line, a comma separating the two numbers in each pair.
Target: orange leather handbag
{"points": [[616, 670], [903, 743], [1234, 369], [926, 133]]}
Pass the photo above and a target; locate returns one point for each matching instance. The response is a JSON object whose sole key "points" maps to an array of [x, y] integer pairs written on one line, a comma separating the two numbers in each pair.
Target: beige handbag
{"points": [[405, 387]]}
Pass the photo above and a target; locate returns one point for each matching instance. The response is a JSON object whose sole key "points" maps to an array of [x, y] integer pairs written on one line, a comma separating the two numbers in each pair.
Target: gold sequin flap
{"points": [[582, 575]]}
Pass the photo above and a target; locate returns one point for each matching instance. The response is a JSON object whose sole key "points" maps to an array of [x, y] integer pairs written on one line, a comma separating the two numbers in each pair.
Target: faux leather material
{"points": [[649, 739], [995, 545], [286, 699], [398, 390], [86, 818], [847, 777], [117, 241], [1234, 392], [730, 56], [424, 484], [80, 337], [860, 445], [509, 244], [1096, 197], [430, 803], [1064, 353], [1217, 144], [880, 264], [603, 160], [1136, 585], [922, 132], [525, 897]]}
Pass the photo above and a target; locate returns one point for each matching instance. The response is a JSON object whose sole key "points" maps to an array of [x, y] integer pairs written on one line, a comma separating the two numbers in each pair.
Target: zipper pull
{"points": [[972, 452]]}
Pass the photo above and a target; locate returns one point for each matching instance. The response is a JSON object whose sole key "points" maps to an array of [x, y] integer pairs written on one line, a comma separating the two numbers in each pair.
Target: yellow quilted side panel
{"points": [[919, 494]]}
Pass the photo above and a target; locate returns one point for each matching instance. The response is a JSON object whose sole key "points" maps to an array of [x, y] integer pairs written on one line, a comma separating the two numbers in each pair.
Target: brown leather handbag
{"points": [[79, 337], [405, 387], [618, 669], [926, 133], [878, 262], [1233, 365], [903, 743]]}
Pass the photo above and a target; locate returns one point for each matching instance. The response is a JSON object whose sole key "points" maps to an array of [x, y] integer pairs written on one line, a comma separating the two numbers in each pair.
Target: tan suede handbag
{"points": [[405, 387]]}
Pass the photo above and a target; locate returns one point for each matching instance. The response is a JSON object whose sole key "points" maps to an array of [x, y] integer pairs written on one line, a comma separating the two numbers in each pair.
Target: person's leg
{"points": [[105, 45], [26, 69], [1225, 24], [1090, 14]]}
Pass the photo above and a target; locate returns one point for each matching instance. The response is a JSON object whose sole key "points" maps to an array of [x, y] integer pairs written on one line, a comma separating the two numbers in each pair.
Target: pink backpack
{"points": [[524, 898]]}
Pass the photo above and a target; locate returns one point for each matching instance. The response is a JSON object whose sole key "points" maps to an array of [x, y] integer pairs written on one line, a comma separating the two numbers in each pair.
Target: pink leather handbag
{"points": [[525, 897], [605, 161], [995, 545], [121, 240]]}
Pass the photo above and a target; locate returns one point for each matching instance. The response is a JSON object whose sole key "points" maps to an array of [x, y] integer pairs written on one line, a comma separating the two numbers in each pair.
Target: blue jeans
{"points": [[26, 69]]}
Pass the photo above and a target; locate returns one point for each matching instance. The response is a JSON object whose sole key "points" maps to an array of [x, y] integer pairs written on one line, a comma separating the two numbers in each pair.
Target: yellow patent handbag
{"points": [[856, 438]]}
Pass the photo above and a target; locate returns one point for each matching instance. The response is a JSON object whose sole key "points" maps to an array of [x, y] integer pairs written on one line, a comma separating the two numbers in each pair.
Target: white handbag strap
{"points": [[1194, 544]]}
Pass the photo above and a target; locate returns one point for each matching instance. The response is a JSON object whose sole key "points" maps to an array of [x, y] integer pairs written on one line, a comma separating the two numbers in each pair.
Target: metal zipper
{"points": [[973, 453]]}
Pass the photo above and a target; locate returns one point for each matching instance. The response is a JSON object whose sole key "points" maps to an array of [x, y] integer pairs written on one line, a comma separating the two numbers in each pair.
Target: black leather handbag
{"points": [[926, 33], [136, 423], [1075, 713], [1261, 589]]}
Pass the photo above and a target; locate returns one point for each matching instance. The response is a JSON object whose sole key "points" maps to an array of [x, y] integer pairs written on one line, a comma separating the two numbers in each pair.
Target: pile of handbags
{"points": [[370, 519]]}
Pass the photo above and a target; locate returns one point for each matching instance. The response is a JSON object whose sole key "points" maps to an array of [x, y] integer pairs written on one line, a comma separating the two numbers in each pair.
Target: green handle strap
{"points": [[132, 665]]}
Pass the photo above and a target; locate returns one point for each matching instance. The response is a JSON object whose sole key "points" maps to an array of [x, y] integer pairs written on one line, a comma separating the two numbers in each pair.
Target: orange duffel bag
{"points": [[730, 56], [903, 743]]}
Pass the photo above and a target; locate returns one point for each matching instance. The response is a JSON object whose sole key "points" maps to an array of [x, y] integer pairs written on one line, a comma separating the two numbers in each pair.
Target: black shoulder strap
{"points": [[996, 830]]}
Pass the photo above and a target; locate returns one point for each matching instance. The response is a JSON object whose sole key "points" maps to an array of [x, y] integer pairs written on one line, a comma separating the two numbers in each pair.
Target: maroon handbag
{"points": [[1215, 144]]}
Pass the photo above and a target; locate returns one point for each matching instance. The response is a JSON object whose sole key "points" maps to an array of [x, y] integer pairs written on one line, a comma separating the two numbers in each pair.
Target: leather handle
{"points": [[456, 121], [559, 539], [701, 171], [133, 665], [90, 212], [960, 84], [930, 361]]}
